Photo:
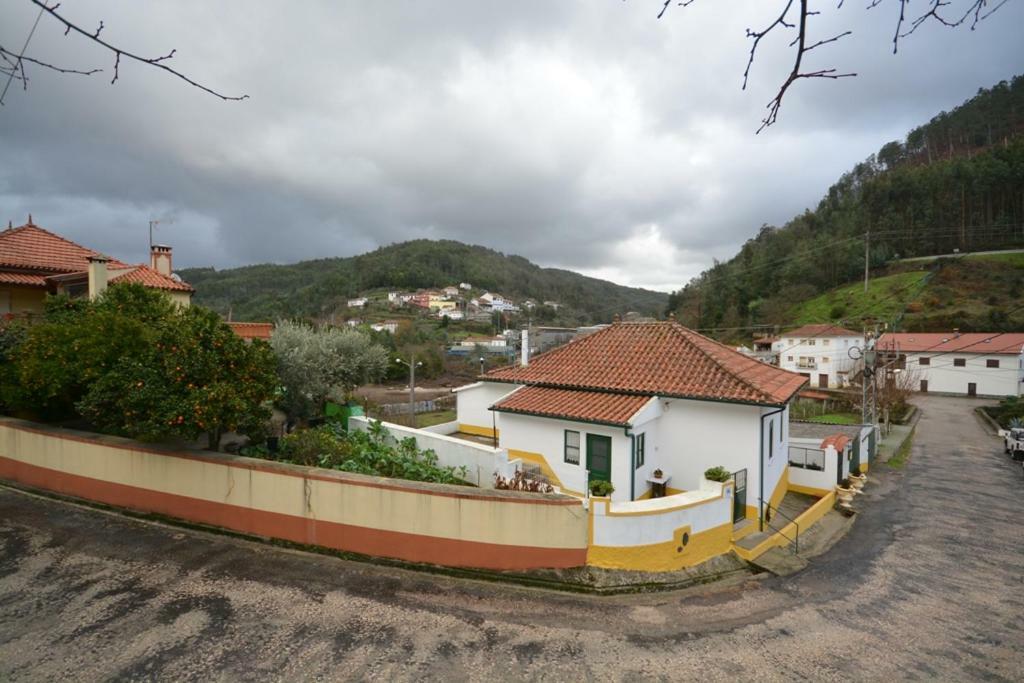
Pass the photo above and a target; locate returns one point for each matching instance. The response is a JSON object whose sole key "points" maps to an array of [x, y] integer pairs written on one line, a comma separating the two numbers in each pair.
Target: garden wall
{"points": [[412, 521], [662, 534], [481, 462]]}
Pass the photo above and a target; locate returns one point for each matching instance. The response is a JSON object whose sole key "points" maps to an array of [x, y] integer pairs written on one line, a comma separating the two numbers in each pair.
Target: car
{"points": [[1013, 442]]}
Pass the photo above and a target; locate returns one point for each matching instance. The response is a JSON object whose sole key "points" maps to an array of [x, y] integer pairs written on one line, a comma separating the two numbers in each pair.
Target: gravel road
{"points": [[929, 584]]}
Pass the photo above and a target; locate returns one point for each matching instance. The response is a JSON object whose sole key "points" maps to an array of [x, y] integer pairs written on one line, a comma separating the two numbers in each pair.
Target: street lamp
{"points": [[412, 364]]}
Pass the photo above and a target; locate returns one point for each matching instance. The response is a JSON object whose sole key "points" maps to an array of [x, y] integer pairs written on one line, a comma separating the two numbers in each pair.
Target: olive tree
{"points": [[316, 362]]}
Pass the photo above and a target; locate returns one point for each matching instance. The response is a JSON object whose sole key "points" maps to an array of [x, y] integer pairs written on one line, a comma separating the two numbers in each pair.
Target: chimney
{"points": [[525, 341], [160, 259], [97, 275]]}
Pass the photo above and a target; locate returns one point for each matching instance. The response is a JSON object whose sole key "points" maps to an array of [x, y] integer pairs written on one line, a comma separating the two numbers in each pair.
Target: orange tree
{"points": [[197, 377]]}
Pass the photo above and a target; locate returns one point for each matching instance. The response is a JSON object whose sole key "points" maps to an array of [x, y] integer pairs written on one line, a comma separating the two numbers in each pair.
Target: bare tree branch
{"points": [[6, 54], [94, 36]]}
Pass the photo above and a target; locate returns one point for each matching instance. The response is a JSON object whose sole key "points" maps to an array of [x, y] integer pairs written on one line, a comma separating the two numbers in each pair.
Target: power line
{"points": [[18, 64]]}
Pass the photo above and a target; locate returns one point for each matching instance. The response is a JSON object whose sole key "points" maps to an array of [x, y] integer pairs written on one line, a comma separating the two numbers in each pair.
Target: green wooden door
{"points": [[599, 457]]}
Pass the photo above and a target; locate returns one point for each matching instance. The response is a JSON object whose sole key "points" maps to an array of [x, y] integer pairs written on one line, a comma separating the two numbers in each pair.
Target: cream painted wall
{"points": [[547, 437], [473, 402], [944, 377], [22, 300]]}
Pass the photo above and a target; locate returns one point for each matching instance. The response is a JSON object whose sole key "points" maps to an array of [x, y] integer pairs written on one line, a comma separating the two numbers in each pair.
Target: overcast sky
{"points": [[581, 134]]}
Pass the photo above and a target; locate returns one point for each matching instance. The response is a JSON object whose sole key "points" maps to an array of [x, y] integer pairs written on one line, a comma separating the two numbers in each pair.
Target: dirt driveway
{"points": [[928, 584]]}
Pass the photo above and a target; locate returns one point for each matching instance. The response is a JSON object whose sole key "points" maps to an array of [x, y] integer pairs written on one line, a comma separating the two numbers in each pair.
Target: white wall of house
{"points": [[944, 376], [776, 453], [648, 423], [693, 436], [817, 356], [646, 522], [805, 456], [546, 437], [473, 403]]}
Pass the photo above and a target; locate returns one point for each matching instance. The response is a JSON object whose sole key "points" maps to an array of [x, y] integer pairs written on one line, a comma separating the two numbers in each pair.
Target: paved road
{"points": [[928, 584]]}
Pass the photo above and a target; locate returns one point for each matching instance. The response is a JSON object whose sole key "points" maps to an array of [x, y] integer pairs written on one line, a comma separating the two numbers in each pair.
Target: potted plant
{"points": [[857, 479], [601, 488], [658, 474], [717, 473], [844, 493]]}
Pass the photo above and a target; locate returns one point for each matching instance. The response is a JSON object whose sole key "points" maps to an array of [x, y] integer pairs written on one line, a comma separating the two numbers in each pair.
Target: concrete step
{"points": [[743, 528], [779, 561]]}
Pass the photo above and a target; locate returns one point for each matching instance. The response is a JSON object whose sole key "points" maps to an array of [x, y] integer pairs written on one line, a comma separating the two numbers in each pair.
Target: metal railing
{"points": [[793, 542]]}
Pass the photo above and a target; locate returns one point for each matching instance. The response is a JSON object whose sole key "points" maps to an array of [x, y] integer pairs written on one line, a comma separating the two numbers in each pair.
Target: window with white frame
{"points": [[572, 447]]}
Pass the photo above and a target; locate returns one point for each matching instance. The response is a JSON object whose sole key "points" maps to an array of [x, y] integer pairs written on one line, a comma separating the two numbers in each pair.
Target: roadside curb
{"points": [[987, 420]]}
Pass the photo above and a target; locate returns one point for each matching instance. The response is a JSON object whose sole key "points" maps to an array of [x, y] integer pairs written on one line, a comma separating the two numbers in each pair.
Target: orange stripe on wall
{"points": [[345, 537]]}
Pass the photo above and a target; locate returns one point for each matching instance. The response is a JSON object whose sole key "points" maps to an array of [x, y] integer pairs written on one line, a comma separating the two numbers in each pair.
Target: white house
{"points": [[451, 291], [450, 313], [972, 364], [497, 343], [465, 285], [633, 398], [821, 353], [357, 303], [386, 326], [497, 302]]}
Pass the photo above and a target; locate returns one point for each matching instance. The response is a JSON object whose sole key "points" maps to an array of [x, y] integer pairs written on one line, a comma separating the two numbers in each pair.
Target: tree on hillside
{"points": [[196, 377], [314, 363]]}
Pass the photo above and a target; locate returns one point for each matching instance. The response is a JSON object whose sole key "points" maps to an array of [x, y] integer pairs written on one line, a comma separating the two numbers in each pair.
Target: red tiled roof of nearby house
{"points": [[838, 441], [941, 342], [252, 330], [35, 248], [146, 276], [818, 395], [24, 279], [586, 406], [656, 358], [825, 330]]}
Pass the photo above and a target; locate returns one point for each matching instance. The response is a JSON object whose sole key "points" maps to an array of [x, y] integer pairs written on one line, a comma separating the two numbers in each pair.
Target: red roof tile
{"points": [[940, 342], [837, 441], [825, 330], [252, 330], [30, 246], [587, 406], [23, 279], [146, 276], [656, 358]]}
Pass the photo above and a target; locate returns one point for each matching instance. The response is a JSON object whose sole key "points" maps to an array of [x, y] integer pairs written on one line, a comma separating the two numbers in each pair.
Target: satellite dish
{"points": [[855, 353]]}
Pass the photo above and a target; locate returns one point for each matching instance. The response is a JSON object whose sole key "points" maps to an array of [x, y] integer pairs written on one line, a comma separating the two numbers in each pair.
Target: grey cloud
{"points": [[559, 131]]}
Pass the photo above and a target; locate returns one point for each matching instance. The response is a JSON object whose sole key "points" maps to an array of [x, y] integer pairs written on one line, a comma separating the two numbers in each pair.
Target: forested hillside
{"points": [[315, 288], [956, 182]]}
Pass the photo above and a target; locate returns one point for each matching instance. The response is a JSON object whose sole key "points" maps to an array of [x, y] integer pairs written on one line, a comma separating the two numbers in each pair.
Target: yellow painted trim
{"points": [[645, 495], [864, 466], [780, 489], [479, 431], [751, 512], [542, 462], [663, 557], [804, 520], [808, 490], [744, 532], [669, 491]]}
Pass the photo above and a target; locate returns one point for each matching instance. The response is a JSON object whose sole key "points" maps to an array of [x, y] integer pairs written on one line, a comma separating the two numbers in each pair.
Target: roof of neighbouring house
{"points": [[825, 330], [31, 247], [146, 276], [821, 430], [970, 342], [24, 279], [656, 358], [252, 330], [586, 406]]}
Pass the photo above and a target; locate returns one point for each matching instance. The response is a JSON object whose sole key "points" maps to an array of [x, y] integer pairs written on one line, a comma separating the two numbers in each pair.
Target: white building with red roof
{"points": [[968, 364], [821, 353], [634, 400], [35, 262]]}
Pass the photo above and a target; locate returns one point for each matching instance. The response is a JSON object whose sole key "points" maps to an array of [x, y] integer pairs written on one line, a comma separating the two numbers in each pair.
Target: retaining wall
{"points": [[417, 522]]}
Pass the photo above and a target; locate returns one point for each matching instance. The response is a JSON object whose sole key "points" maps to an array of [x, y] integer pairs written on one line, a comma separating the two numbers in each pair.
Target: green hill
{"points": [[955, 183], [320, 287]]}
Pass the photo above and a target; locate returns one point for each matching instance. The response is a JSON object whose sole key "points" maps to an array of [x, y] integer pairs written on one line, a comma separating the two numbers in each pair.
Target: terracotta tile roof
{"points": [[656, 358], [146, 276], [252, 330], [825, 330], [30, 246], [940, 342], [587, 406], [24, 279], [837, 441]]}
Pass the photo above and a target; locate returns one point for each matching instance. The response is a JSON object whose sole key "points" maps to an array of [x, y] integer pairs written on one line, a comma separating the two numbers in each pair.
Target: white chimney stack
{"points": [[97, 275], [160, 259], [525, 341]]}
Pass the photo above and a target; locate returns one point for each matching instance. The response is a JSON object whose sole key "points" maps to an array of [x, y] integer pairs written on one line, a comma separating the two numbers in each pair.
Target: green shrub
{"points": [[717, 473], [601, 488]]}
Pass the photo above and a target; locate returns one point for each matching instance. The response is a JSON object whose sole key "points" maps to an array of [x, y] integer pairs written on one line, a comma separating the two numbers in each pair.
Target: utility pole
{"points": [[867, 258], [412, 365]]}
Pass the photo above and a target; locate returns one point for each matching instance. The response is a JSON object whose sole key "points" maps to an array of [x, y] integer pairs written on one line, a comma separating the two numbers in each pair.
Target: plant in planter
{"points": [[658, 474], [601, 488], [857, 479], [717, 473], [844, 493]]}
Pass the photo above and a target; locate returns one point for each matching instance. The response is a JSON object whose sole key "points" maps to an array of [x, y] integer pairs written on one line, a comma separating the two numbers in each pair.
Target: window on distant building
{"points": [[641, 448], [925, 361], [789, 358], [572, 447], [992, 363], [810, 342], [824, 342], [959, 362], [824, 359]]}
